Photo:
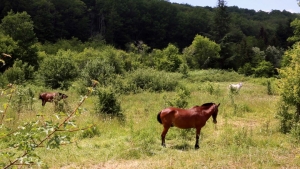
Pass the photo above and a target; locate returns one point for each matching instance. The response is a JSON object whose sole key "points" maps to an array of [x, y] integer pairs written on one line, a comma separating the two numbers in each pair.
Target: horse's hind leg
{"points": [[163, 136], [197, 138]]}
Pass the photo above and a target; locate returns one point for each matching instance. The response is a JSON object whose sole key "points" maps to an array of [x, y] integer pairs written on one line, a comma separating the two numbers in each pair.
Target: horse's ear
{"points": [[218, 105]]}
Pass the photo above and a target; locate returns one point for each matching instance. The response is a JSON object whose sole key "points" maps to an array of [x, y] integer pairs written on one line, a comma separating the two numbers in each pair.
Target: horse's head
{"points": [[215, 113], [62, 96]]}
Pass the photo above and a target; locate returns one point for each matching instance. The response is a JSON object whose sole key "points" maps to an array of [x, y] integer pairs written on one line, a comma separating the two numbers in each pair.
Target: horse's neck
{"points": [[210, 110]]}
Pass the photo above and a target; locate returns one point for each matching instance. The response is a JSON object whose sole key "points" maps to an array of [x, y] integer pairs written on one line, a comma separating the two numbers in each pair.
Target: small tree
{"points": [[296, 25], [201, 51], [289, 84], [19, 26], [168, 59], [58, 72]]}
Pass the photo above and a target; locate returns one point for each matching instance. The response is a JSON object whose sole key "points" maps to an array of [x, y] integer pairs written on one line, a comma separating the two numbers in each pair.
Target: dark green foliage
{"points": [[156, 23], [58, 72], [151, 26], [15, 75], [63, 44], [19, 27], [246, 70], [221, 24], [107, 102], [3, 81], [7, 46], [274, 56], [19, 73], [264, 69]]}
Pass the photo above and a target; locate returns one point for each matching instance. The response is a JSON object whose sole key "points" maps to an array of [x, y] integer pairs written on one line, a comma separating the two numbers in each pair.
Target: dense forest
{"points": [[247, 40]]}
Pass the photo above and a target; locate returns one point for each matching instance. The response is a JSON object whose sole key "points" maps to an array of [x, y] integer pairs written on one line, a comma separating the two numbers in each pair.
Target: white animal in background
{"points": [[235, 87]]}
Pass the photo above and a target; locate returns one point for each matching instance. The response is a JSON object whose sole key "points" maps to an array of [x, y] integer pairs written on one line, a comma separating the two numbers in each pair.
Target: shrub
{"points": [[58, 71], [264, 69], [107, 102], [97, 69], [19, 72], [246, 69], [184, 70], [15, 75]]}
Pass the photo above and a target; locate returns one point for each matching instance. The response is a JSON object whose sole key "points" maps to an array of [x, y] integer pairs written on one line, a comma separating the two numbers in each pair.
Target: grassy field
{"points": [[246, 135]]}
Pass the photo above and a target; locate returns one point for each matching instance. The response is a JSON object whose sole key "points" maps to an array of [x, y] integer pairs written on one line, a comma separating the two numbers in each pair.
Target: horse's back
{"points": [[181, 118], [47, 96]]}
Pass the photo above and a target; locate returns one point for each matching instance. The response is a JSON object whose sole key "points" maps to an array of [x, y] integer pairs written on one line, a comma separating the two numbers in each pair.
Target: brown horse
{"points": [[52, 96], [194, 117]]}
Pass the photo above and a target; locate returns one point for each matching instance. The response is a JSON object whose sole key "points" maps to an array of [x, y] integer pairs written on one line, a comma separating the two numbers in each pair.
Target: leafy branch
{"points": [[29, 137]]}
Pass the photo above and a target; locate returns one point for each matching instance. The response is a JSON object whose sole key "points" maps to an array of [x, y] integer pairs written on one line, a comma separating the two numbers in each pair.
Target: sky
{"points": [[264, 5]]}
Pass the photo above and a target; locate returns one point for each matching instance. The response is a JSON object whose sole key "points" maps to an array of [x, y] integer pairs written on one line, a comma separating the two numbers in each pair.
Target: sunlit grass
{"points": [[246, 135]]}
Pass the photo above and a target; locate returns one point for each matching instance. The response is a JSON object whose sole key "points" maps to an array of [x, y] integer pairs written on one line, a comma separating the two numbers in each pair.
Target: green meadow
{"points": [[246, 136]]}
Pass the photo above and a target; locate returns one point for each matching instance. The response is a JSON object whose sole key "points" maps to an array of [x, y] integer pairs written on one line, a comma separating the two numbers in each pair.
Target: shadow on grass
{"points": [[183, 147]]}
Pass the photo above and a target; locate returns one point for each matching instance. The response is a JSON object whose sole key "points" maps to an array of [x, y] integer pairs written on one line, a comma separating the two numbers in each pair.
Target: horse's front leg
{"points": [[43, 102], [198, 130], [163, 136]]}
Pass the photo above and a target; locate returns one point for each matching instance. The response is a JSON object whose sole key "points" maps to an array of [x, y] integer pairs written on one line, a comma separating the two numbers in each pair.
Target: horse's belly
{"points": [[184, 125]]}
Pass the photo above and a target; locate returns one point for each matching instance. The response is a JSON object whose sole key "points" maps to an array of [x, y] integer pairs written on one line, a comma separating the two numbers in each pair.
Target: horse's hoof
{"points": [[197, 147]]}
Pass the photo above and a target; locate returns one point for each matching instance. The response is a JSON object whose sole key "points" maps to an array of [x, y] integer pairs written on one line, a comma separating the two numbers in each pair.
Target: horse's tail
{"points": [[158, 118], [40, 96]]}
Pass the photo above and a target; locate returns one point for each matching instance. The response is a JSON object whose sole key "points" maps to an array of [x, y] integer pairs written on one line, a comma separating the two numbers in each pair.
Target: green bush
{"points": [[15, 75], [58, 71], [247, 69], [264, 69], [107, 102], [97, 69], [19, 72]]}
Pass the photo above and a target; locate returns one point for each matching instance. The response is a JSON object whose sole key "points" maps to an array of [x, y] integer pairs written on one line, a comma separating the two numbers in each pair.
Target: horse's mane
{"points": [[207, 104]]}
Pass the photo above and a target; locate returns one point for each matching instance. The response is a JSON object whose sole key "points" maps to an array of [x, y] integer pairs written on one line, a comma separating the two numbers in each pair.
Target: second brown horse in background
{"points": [[52, 97]]}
